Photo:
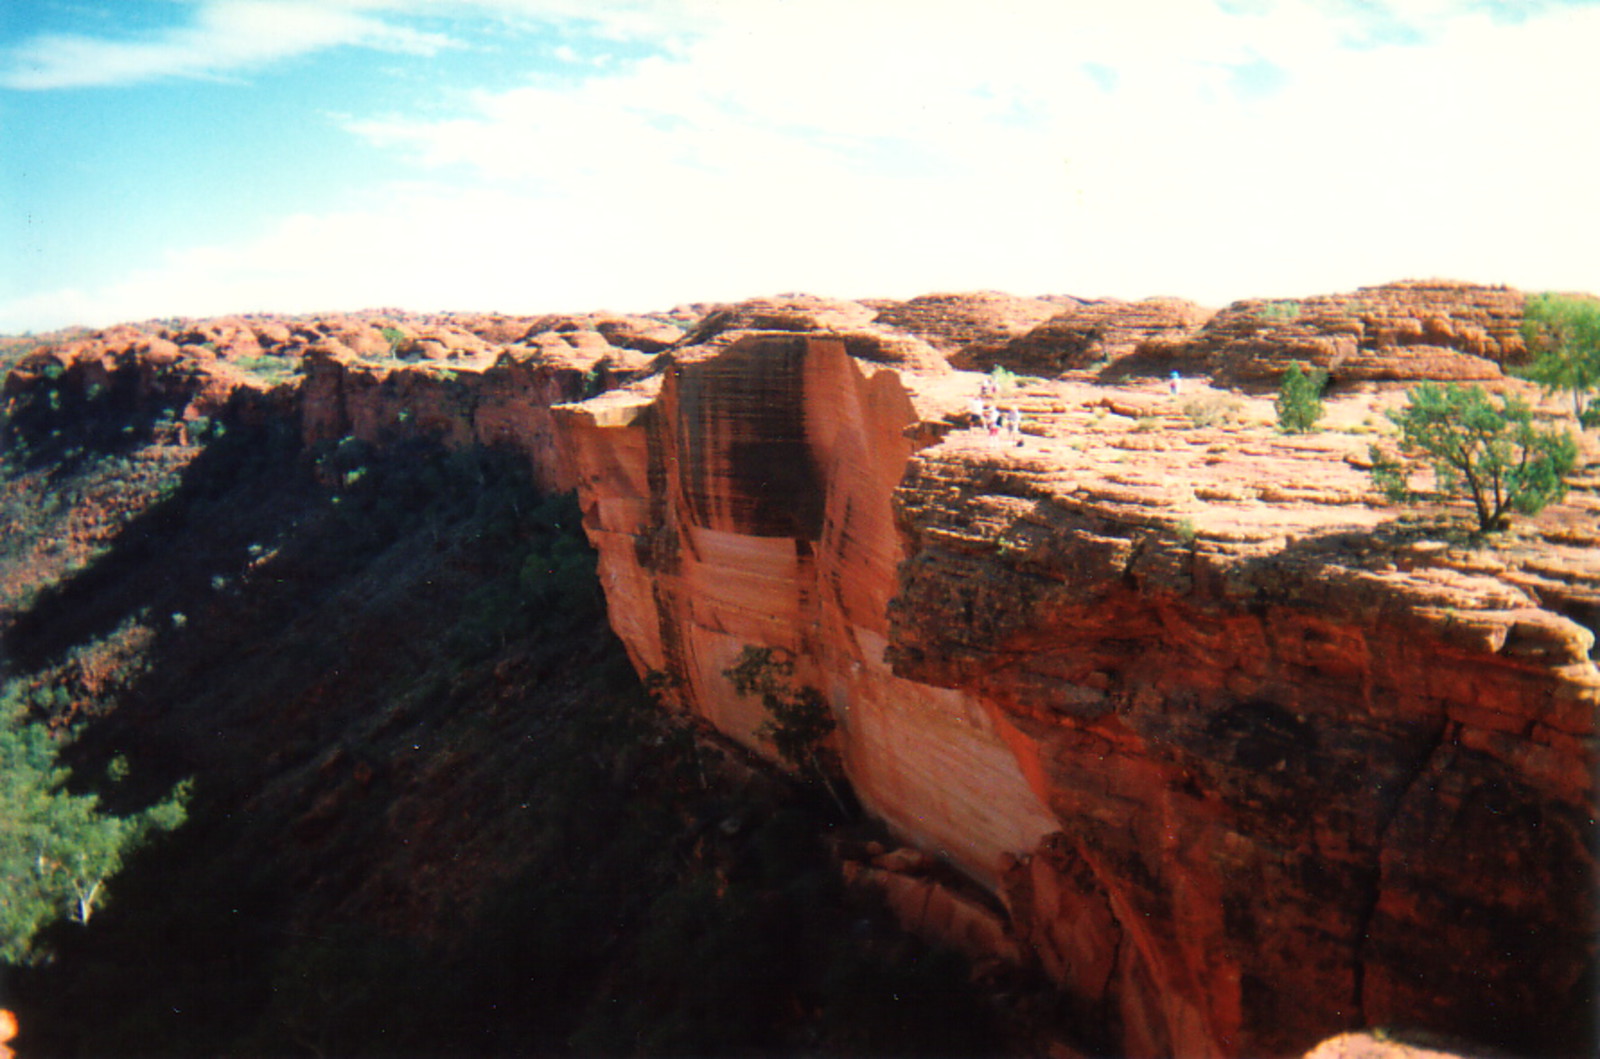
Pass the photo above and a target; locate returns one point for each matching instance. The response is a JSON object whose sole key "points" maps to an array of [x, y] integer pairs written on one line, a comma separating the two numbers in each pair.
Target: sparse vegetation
{"points": [[268, 368], [1485, 449], [1279, 310], [1212, 409], [510, 851]]}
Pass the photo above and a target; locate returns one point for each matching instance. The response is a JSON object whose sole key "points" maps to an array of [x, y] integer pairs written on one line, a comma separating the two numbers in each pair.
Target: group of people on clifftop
{"points": [[983, 411]]}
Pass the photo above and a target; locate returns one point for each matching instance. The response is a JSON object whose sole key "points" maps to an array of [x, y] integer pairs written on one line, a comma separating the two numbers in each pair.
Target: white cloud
{"points": [[226, 36], [889, 148], [985, 136]]}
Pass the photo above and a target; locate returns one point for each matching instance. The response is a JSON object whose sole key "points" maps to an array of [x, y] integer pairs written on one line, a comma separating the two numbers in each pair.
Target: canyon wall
{"points": [[1237, 756], [1238, 789], [1299, 788], [740, 500]]}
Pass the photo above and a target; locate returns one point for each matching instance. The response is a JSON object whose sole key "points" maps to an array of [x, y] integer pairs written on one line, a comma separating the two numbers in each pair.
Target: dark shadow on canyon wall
{"points": [[435, 812]]}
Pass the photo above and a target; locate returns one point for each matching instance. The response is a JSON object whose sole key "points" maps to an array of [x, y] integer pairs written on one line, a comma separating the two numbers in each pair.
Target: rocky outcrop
{"points": [[865, 337], [952, 322], [1274, 742], [1089, 335], [739, 499], [642, 334], [376, 378], [1417, 329], [1246, 766], [1281, 765]]}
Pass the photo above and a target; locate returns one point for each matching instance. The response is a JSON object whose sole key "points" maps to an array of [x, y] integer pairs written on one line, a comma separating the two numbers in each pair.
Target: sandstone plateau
{"points": [[1163, 704]]}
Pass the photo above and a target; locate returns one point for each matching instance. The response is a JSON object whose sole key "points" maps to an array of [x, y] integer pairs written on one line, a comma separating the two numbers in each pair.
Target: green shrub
{"points": [[267, 367], [1299, 402], [799, 720]]}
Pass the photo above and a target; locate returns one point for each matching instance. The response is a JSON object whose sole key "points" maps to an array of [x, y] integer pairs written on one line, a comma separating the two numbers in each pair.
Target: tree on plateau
{"points": [[1563, 334], [1479, 447]]}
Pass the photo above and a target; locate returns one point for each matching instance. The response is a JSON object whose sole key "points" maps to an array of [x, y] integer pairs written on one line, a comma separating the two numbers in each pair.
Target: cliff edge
{"points": [[1248, 756]]}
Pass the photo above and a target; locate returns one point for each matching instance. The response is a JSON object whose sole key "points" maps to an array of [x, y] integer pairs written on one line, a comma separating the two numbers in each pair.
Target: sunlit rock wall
{"points": [[742, 500]]}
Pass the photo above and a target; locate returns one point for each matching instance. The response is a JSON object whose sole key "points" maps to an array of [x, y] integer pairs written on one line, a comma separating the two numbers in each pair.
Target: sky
{"points": [[206, 157]]}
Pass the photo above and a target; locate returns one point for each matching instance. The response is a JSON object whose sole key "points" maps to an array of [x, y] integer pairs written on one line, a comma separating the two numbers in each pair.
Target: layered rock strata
{"points": [[739, 499], [1297, 777], [1247, 763], [1419, 329], [953, 322], [1088, 336]]}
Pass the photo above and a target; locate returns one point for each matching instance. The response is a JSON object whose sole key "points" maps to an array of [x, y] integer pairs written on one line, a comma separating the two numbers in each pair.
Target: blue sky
{"points": [[202, 157]]}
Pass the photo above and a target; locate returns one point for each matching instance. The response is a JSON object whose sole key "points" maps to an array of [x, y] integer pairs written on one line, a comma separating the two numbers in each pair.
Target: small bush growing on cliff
{"points": [[798, 720], [1488, 451], [1299, 402], [1281, 310], [1563, 333]]}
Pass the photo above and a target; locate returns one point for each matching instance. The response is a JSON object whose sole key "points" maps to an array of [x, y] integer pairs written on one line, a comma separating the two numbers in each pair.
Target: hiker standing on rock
{"points": [[991, 421], [1014, 425]]}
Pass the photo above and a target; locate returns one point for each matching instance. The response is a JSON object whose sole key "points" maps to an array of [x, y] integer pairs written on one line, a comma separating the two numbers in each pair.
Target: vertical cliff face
{"points": [[1240, 785], [1296, 786], [741, 500], [503, 403]]}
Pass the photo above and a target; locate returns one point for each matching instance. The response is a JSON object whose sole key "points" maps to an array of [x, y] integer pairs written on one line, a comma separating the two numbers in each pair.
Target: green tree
{"points": [[1563, 334], [1488, 451], [394, 336], [57, 849], [1299, 402], [799, 721]]}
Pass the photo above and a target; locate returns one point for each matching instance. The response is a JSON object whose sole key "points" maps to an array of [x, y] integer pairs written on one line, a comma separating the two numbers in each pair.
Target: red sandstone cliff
{"points": [[1243, 760], [1247, 763]]}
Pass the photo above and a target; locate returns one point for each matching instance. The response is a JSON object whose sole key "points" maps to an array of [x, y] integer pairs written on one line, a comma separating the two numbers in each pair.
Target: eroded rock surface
{"points": [[739, 500], [1294, 757], [1338, 721], [1089, 335], [1420, 329], [953, 322]]}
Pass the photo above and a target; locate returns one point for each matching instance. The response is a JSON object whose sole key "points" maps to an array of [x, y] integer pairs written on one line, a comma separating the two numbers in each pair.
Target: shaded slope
{"points": [[431, 816]]}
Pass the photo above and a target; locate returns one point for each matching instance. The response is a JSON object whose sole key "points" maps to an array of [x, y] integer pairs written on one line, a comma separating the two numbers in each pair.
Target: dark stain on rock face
{"points": [[1263, 736], [744, 416]]}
